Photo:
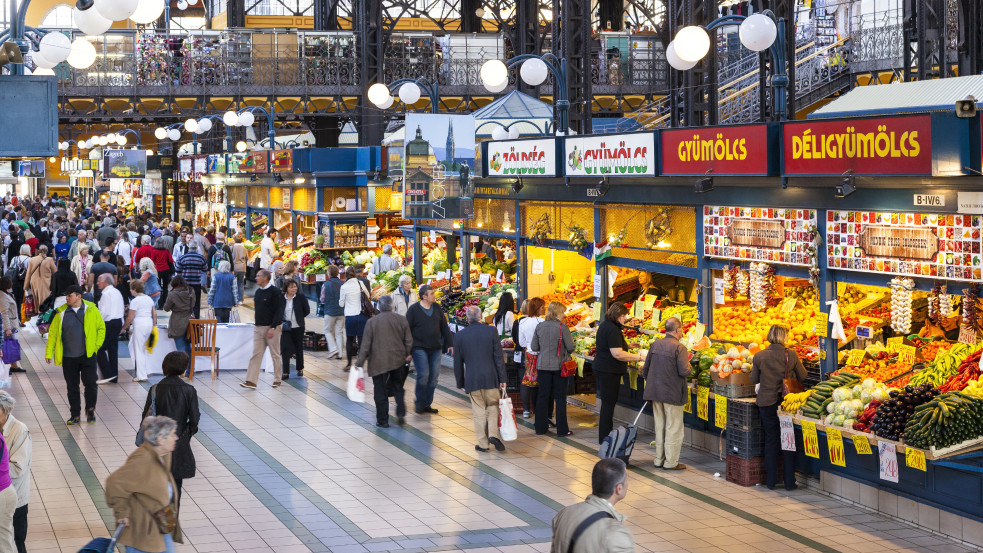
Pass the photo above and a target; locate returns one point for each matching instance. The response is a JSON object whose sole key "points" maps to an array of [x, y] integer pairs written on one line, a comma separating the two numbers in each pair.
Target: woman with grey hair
{"points": [[143, 493], [223, 295], [18, 439], [404, 296], [82, 264], [20, 262], [151, 281]]}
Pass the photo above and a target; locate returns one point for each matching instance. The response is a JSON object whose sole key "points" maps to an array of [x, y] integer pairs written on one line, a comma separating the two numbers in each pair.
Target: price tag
{"points": [[720, 411], [834, 442], [719, 294], [597, 310], [449, 274], [656, 317], [788, 305], [894, 343], [810, 440], [822, 324], [861, 444], [483, 280], [688, 405], [889, 461], [597, 286], [433, 236], [537, 266], [428, 281], [967, 335], [499, 275], [320, 278], [639, 310], [703, 403], [788, 433], [649, 302], [400, 242], [856, 357], [906, 355], [915, 458]]}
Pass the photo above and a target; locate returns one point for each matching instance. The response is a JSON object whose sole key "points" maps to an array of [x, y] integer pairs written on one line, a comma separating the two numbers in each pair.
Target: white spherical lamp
{"points": [[378, 93], [494, 73], [758, 32], [43, 72], [692, 43], [388, 103], [160, 133], [204, 125], [409, 93], [91, 22], [191, 125], [120, 140], [83, 54], [182, 5], [499, 133], [116, 10], [55, 47], [230, 118], [174, 134], [533, 71], [674, 60], [498, 88], [241, 146], [514, 132], [147, 12], [42, 62], [246, 119]]}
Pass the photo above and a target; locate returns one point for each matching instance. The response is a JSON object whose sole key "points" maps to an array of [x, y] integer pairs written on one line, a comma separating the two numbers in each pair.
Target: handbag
{"points": [[165, 518], [10, 353], [29, 305], [531, 376], [567, 368], [506, 419], [153, 413], [367, 309], [356, 385], [790, 385], [152, 340]]}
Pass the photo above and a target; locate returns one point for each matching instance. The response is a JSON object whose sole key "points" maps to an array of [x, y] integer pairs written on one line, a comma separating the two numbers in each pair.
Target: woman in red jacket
{"points": [[163, 262]]}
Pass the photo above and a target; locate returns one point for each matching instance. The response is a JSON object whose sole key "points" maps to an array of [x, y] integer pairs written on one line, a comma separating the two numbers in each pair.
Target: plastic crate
{"points": [[733, 390], [513, 378], [516, 403], [310, 341], [322, 343], [749, 472], [743, 414], [745, 443], [585, 385]]}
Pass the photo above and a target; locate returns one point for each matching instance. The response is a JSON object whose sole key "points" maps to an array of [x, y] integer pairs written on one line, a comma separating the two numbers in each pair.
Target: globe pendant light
{"points": [[692, 43], [533, 71], [91, 22], [55, 47], [499, 133], [160, 133], [174, 134], [758, 32], [191, 125], [674, 60], [246, 119], [409, 93], [498, 88], [116, 10], [147, 12], [230, 118], [41, 61], [388, 103], [494, 73], [204, 125], [83, 54], [378, 93]]}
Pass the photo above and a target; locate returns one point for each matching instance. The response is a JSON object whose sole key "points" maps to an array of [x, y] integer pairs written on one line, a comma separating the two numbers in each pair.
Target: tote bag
{"points": [[506, 419]]}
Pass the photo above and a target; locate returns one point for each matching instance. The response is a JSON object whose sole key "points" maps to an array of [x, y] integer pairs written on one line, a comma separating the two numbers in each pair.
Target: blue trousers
{"points": [[427, 363], [168, 542]]}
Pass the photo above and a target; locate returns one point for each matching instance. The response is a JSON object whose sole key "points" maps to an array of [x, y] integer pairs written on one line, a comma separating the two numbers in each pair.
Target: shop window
{"points": [[237, 195], [305, 199], [336, 199], [561, 218], [641, 226], [382, 198], [493, 216], [258, 196]]}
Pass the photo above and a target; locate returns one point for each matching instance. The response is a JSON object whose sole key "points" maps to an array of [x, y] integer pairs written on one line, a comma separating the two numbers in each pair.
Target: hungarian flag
{"points": [[602, 250]]}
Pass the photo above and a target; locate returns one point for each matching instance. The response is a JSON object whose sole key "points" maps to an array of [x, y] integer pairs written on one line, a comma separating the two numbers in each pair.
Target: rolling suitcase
{"points": [[620, 442], [103, 545]]}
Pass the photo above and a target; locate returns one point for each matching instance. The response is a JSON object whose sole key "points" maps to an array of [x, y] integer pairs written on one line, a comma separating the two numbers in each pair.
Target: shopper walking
{"points": [[529, 392], [552, 384], [665, 371], [350, 298], [594, 526], [267, 250], [11, 322], [8, 500], [269, 314], [610, 364], [431, 336], [334, 314], [295, 309], [142, 318], [82, 264], [61, 247], [112, 310], [239, 259], [504, 316], [178, 400], [180, 303], [18, 440], [193, 267], [217, 253], [385, 262], [164, 263], [39, 271], [144, 486], [479, 368], [769, 369], [404, 296], [63, 279], [17, 272], [75, 336], [386, 345], [223, 294], [150, 280]]}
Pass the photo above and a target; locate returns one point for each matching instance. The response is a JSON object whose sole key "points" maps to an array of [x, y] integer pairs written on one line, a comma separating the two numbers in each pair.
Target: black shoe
{"points": [[73, 421], [481, 449], [17, 370], [382, 424], [430, 410], [551, 424], [90, 416], [794, 487], [286, 376], [499, 446], [401, 421], [300, 374]]}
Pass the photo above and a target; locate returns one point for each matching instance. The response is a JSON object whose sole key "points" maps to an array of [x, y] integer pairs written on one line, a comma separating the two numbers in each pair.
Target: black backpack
{"points": [[17, 271]]}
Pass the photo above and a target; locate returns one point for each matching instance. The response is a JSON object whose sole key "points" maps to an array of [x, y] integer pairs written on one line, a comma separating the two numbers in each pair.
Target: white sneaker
{"points": [[106, 380]]}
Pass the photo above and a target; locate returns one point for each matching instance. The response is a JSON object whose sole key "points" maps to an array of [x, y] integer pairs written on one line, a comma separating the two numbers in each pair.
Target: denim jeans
{"points": [[168, 542], [181, 343], [241, 283], [427, 363]]}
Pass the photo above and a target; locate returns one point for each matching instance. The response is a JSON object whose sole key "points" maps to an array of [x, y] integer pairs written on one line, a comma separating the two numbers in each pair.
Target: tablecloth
{"points": [[236, 347]]}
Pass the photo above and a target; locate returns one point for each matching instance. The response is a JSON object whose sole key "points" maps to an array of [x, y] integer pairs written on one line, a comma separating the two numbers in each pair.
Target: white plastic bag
{"points": [[506, 420], [356, 384], [4, 375]]}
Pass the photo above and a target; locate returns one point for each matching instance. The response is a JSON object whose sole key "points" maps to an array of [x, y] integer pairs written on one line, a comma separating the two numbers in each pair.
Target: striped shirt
{"points": [[193, 268]]}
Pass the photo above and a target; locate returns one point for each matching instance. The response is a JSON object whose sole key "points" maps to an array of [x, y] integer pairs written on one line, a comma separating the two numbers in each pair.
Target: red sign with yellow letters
{"points": [[873, 146], [741, 150]]}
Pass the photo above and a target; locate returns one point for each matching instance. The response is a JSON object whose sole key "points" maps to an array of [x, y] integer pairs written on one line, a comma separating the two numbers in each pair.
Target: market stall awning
{"points": [[912, 97]]}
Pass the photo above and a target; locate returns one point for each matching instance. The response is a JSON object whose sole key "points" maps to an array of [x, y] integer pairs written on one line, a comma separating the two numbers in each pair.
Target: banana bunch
{"points": [[794, 402]]}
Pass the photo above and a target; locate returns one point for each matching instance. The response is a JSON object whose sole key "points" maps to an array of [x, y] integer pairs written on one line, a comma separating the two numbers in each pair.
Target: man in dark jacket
{"points": [[479, 367], [269, 303], [386, 344], [665, 372], [431, 336], [334, 314]]}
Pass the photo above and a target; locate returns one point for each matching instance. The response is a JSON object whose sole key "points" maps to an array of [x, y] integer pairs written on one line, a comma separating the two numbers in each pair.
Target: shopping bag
{"points": [[531, 376], [234, 315], [356, 384], [10, 353], [506, 420], [29, 305], [152, 340], [4, 375], [23, 313]]}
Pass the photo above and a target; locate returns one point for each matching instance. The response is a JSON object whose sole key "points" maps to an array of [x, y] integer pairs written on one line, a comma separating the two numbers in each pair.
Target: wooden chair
{"points": [[202, 333]]}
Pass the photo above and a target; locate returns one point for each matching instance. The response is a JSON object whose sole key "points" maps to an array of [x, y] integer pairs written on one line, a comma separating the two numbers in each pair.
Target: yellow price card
{"points": [[822, 322], [788, 305], [720, 411], [688, 404], [856, 357], [834, 442], [703, 403], [893, 344], [639, 310], [649, 302], [810, 440], [914, 458], [861, 444], [656, 317], [906, 355], [597, 310]]}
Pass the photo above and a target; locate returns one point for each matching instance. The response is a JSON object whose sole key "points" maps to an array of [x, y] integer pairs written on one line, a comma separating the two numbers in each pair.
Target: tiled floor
{"points": [[301, 468]]}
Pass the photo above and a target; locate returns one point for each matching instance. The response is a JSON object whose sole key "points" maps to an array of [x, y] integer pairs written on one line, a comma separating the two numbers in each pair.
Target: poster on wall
{"points": [[437, 166], [282, 161], [622, 155], [520, 158], [216, 163], [126, 164], [758, 234], [932, 245], [32, 168], [234, 163]]}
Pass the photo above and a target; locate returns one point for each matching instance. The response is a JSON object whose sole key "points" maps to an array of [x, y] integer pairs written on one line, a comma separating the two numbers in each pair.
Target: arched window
{"points": [[60, 17]]}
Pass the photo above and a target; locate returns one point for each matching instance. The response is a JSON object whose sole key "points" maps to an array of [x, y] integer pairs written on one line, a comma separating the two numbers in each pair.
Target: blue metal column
{"points": [[827, 292], [599, 266], [417, 253], [520, 256], [464, 261]]}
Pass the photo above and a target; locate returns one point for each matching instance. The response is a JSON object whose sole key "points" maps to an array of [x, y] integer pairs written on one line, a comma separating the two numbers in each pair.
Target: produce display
{"points": [[901, 301], [945, 420], [793, 402], [969, 370], [892, 416], [734, 361], [740, 324], [944, 366], [850, 403], [822, 394]]}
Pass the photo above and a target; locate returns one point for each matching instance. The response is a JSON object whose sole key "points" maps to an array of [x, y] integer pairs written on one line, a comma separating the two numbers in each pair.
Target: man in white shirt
{"points": [[111, 309], [18, 440], [267, 250], [385, 262]]}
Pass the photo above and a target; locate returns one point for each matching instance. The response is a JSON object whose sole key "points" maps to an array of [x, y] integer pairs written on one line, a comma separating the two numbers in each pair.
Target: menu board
{"points": [[758, 234], [914, 244]]}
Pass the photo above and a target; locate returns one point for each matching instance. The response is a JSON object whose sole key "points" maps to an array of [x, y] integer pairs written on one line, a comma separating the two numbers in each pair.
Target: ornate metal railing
{"points": [[877, 42]]}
